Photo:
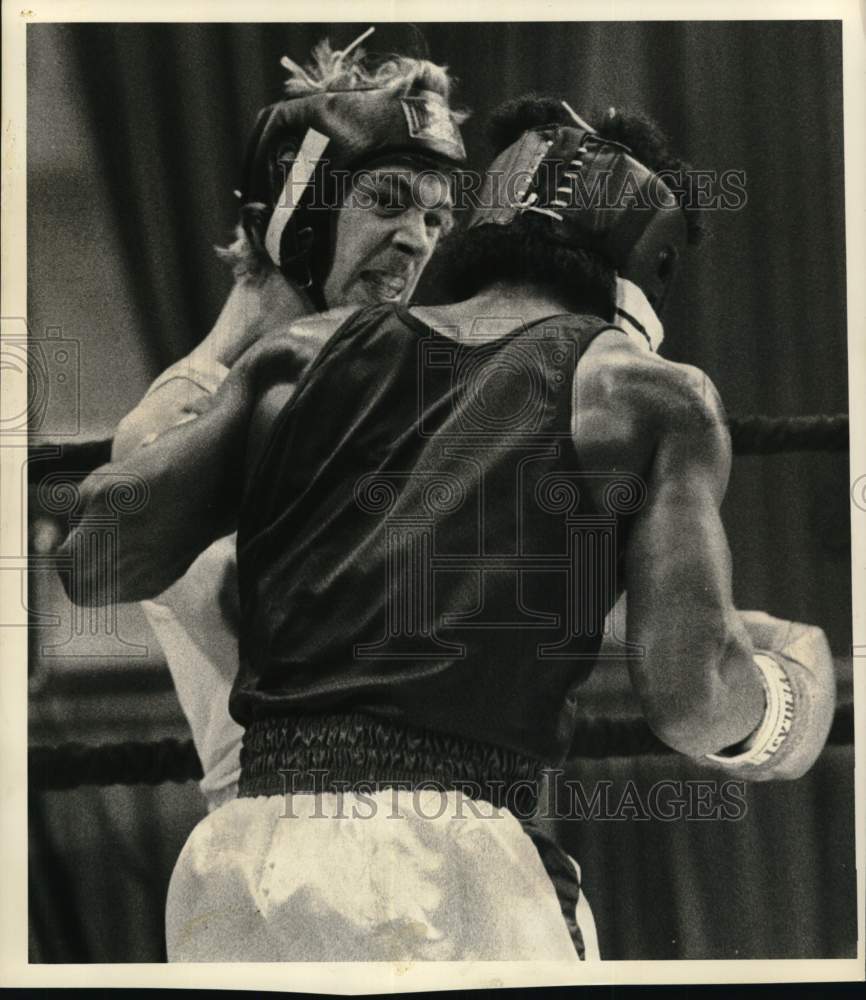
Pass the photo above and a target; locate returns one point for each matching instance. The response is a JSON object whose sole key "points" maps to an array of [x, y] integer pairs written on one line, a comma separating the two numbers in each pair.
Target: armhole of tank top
{"points": [[587, 335], [585, 331], [285, 413]]}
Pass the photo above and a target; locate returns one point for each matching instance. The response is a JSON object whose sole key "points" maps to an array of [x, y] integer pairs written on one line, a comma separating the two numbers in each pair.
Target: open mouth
{"points": [[384, 286]]}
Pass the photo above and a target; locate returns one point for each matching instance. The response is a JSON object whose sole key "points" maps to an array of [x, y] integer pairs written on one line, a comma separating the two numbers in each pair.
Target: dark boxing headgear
{"points": [[306, 145], [596, 196]]}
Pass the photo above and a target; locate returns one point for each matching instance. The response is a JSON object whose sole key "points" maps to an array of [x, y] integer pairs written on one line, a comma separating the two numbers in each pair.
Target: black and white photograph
{"points": [[432, 528]]}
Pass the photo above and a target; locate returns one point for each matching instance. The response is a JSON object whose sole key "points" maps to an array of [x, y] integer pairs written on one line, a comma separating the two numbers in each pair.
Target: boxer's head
{"points": [[388, 227], [576, 207], [347, 181]]}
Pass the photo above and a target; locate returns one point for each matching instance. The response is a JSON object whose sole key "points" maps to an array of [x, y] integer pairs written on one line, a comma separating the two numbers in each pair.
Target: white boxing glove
{"points": [[797, 671]]}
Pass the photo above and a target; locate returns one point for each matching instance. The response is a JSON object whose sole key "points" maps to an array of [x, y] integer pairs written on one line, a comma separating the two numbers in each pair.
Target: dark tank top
{"points": [[422, 578]]}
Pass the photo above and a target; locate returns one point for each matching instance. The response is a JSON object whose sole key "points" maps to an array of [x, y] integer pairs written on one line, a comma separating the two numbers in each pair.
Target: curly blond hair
{"points": [[350, 69], [332, 69]]}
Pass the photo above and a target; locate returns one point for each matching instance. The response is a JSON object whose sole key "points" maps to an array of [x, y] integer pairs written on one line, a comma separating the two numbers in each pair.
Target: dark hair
{"points": [[649, 145], [523, 250]]}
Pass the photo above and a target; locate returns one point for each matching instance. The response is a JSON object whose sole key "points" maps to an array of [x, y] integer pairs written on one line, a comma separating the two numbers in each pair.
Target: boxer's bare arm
{"points": [[167, 405], [316, 330], [193, 479], [254, 309], [635, 412], [189, 495]]}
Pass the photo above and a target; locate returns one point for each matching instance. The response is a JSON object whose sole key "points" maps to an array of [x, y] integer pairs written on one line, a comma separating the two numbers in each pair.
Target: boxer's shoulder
{"points": [[613, 371], [626, 401]]}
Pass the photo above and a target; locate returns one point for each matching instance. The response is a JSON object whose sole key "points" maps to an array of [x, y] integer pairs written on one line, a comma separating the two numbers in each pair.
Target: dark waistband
{"points": [[319, 753]]}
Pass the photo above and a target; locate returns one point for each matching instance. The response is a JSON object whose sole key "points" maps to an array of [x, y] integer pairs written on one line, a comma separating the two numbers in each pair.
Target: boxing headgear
{"points": [[596, 196], [302, 143]]}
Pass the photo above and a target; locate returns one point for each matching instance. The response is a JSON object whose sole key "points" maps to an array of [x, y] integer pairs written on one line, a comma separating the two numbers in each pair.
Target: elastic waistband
{"points": [[320, 753]]}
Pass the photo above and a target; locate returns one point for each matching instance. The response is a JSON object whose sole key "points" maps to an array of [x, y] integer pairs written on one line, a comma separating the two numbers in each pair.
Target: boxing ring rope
{"points": [[759, 435], [72, 765], [750, 435]]}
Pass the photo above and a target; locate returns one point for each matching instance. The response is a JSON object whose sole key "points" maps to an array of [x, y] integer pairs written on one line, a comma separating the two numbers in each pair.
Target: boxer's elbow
{"points": [[692, 732], [115, 556], [96, 574], [78, 578], [704, 696], [688, 726]]}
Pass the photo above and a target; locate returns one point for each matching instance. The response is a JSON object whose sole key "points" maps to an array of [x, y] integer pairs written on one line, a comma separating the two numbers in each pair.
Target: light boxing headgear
{"points": [[597, 197], [307, 143]]}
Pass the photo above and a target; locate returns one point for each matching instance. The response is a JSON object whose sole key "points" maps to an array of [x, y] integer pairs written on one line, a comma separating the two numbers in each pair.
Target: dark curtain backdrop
{"points": [[760, 306]]}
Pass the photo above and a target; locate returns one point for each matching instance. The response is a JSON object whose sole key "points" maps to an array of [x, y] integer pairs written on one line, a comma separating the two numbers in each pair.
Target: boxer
{"points": [[404, 665], [298, 253]]}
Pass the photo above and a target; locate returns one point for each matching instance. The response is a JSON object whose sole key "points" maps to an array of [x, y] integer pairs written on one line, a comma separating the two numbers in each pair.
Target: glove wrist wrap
{"points": [[773, 730]]}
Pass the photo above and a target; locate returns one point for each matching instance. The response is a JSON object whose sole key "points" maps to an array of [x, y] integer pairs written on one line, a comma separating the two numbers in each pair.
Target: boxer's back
{"points": [[413, 535]]}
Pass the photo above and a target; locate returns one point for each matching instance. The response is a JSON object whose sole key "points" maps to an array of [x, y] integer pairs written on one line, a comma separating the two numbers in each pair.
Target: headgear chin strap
{"points": [[303, 143], [597, 198]]}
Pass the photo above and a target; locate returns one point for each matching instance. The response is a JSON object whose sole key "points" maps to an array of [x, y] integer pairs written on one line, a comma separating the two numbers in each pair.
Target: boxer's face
{"points": [[387, 230]]}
